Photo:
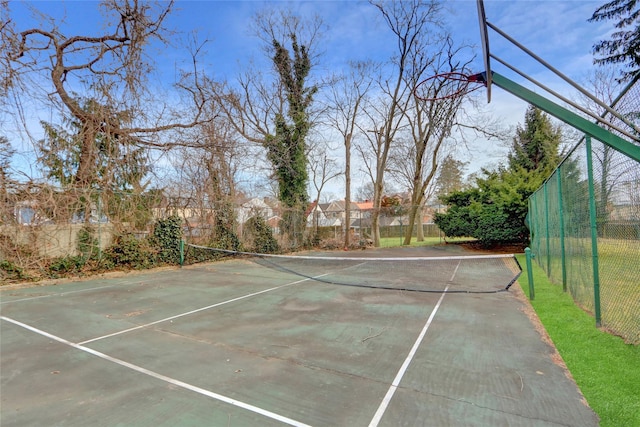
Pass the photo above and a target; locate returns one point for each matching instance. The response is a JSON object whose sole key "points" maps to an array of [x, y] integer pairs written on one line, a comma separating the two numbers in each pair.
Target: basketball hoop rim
{"points": [[456, 76]]}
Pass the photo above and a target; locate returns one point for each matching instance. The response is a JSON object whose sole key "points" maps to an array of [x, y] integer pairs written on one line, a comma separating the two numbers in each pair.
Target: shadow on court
{"points": [[237, 344]]}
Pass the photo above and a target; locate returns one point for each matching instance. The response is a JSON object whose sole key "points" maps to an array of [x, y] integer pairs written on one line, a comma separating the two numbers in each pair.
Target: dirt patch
{"points": [[513, 248], [70, 279]]}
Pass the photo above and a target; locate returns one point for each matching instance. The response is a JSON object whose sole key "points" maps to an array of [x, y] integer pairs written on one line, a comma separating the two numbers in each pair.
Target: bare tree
{"points": [[612, 168], [365, 191], [323, 168], [346, 98], [112, 70], [414, 23], [207, 179], [431, 123]]}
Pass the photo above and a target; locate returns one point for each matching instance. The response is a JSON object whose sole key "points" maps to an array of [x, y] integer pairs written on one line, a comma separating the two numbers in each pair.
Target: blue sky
{"points": [[558, 31]]}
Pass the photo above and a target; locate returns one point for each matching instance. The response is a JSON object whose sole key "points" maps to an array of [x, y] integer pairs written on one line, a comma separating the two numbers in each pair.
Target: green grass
{"points": [[618, 273], [605, 368], [390, 242]]}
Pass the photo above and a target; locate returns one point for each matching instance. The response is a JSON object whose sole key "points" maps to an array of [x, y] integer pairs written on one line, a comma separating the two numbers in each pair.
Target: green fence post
{"points": [[534, 236], [594, 235], [181, 252], [561, 219], [546, 225], [528, 256], [531, 217]]}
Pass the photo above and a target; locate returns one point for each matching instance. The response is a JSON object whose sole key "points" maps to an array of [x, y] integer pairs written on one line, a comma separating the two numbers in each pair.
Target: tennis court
{"points": [[240, 343]]}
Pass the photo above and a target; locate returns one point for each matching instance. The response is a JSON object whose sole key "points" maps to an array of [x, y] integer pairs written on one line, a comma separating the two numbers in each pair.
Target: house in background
{"points": [[321, 215], [336, 212], [250, 207]]}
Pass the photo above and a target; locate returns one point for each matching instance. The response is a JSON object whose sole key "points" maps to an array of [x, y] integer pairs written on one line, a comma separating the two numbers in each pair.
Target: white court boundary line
{"points": [[161, 377], [377, 417], [146, 325]]}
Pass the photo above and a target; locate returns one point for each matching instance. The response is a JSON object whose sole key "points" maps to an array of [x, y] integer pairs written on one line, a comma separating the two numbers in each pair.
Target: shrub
{"points": [[225, 237], [129, 252], [60, 267], [494, 211], [10, 271], [87, 243]]}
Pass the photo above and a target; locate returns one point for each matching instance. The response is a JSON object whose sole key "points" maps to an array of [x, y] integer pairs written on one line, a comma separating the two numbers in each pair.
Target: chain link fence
{"points": [[585, 227]]}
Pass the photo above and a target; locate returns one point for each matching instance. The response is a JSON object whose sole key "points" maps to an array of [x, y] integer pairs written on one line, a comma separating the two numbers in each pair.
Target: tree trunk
{"points": [[413, 211], [347, 195], [375, 217], [420, 231]]}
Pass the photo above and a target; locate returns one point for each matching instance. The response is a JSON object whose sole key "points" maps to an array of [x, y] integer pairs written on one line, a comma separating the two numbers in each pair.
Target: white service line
{"points": [[396, 381], [194, 311], [161, 377]]}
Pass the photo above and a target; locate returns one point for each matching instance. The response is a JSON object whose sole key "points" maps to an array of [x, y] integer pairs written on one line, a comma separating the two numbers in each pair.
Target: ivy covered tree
{"points": [[6, 152], [286, 150], [274, 110]]}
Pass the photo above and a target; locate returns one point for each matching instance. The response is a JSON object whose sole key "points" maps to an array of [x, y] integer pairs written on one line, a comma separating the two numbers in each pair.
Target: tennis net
{"points": [[441, 274]]}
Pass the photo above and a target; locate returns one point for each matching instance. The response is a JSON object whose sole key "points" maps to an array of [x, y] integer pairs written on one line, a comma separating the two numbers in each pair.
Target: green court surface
{"points": [[234, 343]]}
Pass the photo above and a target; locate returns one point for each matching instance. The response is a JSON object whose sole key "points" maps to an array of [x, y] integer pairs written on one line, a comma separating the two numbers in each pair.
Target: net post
{"points": [[561, 220], [528, 256], [181, 252], [594, 234]]}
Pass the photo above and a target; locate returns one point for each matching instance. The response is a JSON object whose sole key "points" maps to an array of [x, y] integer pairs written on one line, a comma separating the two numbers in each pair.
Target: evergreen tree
{"points": [[451, 176], [624, 44], [494, 209], [535, 147], [75, 154]]}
